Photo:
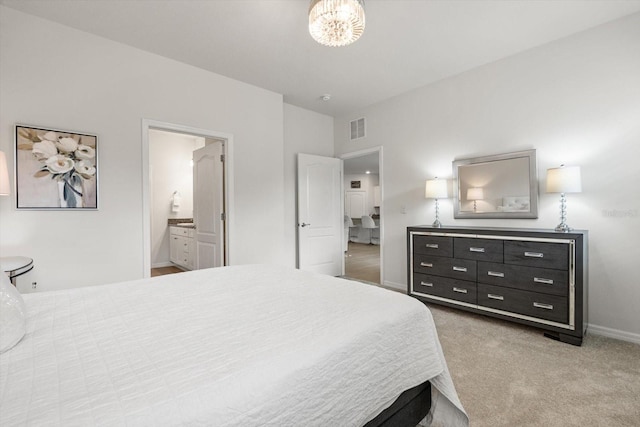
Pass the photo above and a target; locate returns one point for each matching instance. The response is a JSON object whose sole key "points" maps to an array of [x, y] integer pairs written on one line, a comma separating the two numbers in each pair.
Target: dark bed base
{"points": [[408, 409]]}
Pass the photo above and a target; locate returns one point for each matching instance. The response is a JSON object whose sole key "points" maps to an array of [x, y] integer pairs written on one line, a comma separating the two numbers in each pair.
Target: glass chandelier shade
{"points": [[336, 22]]}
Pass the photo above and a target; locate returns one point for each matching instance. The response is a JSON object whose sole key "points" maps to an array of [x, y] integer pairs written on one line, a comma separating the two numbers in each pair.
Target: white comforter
{"points": [[234, 346]]}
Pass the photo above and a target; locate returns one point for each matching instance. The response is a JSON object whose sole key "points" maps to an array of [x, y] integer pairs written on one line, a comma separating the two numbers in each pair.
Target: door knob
{"points": [[304, 224]]}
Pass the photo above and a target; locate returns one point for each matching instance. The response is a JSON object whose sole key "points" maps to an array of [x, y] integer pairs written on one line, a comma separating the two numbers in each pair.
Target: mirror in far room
{"points": [[497, 186]]}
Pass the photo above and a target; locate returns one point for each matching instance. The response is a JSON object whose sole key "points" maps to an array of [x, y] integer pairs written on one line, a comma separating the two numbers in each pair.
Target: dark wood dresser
{"points": [[534, 277]]}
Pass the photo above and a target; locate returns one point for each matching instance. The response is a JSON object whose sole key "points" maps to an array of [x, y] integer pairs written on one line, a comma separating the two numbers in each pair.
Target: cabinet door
{"points": [[179, 251], [356, 203], [174, 245], [191, 255]]}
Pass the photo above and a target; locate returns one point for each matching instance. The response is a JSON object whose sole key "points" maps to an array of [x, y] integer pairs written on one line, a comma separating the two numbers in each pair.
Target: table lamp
{"points": [[565, 179], [436, 189], [475, 194]]}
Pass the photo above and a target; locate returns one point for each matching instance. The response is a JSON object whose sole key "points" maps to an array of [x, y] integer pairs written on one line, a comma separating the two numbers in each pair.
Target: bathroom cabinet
{"points": [[182, 247]]}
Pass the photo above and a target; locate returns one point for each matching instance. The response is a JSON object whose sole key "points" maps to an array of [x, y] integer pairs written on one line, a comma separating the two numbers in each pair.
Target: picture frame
{"points": [[355, 184], [55, 169]]}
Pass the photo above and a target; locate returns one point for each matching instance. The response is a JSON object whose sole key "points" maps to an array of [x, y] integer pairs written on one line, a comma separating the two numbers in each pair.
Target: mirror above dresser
{"points": [[496, 186]]}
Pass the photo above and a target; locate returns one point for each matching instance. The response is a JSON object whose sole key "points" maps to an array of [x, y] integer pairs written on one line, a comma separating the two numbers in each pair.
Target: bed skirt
{"points": [[407, 410]]}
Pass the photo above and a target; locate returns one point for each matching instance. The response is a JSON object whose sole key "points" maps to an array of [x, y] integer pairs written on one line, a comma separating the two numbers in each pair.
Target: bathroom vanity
{"points": [[182, 245]]}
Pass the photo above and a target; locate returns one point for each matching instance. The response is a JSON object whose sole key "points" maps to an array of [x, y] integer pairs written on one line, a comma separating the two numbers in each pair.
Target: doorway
{"points": [[363, 242], [172, 196]]}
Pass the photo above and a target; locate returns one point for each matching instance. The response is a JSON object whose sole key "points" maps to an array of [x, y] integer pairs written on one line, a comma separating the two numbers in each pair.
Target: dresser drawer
{"points": [[537, 254], [478, 249], [462, 269], [534, 304], [544, 280], [433, 245], [459, 290]]}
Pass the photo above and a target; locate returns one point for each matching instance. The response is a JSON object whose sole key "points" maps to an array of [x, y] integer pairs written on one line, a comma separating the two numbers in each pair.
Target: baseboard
{"points": [[162, 264], [400, 287], [613, 333]]}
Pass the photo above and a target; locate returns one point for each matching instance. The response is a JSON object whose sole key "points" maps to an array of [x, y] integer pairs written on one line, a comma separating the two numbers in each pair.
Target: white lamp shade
{"points": [[565, 179], [475, 193], [436, 189], [4, 175]]}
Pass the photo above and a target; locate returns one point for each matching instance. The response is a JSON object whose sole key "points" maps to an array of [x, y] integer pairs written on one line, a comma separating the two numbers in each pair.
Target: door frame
{"points": [[148, 124], [361, 153]]}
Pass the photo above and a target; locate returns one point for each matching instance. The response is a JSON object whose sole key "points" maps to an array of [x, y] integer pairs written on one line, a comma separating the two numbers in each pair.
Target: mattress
{"points": [[234, 346]]}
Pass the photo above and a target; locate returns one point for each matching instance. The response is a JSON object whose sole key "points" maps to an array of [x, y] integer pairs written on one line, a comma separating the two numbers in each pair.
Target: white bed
{"points": [[233, 346]]}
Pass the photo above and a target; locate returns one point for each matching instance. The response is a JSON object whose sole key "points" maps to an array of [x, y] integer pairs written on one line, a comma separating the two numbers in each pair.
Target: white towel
{"points": [[175, 204]]}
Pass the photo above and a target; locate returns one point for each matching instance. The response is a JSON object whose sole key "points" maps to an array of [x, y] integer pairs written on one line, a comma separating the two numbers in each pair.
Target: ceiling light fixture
{"points": [[336, 22]]}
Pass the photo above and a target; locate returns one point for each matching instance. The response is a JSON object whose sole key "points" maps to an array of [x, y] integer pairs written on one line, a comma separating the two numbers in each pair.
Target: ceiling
{"points": [[406, 43], [360, 165]]}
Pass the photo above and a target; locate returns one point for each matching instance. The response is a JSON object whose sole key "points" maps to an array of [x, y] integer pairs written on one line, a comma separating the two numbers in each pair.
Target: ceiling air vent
{"points": [[357, 129]]}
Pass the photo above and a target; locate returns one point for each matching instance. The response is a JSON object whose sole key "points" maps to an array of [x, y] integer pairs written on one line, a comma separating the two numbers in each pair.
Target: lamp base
{"points": [[436, 224], [563, 228]]}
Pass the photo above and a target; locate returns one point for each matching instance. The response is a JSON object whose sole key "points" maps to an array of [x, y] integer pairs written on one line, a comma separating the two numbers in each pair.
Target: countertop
{"points": [[181, 222]]}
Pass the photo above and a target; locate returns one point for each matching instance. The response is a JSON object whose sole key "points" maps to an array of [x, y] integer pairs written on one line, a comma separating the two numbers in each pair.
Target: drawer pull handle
{"points": [[498, 297], [534, 254], [472, 249], [545, 306], [426, 264], [541, 280], [462, 269], [460, 290], [495, 274], [432, 245], [427, 284]]}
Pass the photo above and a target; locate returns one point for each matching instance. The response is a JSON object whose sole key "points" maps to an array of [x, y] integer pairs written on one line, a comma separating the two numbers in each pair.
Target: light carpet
{"points": [[511, 375]]}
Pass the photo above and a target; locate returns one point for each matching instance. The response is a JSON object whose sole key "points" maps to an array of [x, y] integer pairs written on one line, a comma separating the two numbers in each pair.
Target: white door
{"points": [[208, 206], [320, 217]]}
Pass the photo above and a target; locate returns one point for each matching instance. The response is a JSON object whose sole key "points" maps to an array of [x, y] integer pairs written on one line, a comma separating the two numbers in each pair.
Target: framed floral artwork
{"points": [[56, 169]]}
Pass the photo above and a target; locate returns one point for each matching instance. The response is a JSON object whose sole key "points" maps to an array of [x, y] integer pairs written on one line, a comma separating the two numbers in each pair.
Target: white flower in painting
{"points": [[49, 136], [44, 150], [67, 145], [85, 152], [59, 164], [85, 169]]}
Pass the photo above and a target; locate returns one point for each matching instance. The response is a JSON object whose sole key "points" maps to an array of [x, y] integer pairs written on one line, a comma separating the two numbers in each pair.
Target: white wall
{"points": [[170, 157], [52, 75], [304, 132], [576, 101]]}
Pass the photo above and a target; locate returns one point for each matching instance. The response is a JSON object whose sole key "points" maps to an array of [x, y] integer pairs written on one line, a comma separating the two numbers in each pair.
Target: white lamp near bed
{"points": [[13, 265], [4, 175], [12, 308]]}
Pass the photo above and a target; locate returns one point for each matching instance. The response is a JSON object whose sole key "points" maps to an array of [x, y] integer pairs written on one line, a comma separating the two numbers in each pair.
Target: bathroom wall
{"points": [[170, 168]]}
